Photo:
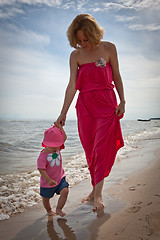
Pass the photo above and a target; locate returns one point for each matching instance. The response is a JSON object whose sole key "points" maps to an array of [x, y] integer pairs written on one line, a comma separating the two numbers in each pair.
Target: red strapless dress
{"points": [[98, 125]]}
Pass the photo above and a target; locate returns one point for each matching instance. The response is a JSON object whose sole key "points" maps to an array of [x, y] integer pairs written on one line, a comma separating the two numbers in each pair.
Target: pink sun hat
{"points": [[53, 137]]}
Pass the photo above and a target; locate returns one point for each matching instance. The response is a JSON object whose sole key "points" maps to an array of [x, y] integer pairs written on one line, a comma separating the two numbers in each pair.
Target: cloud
{"points": [[79, 4], [148, 27], [132, 22], [30, 106], [135, 15], [10, 8], [8, 13], [21, 67], [13, 35], [122, 18], [141, 77], [50, 3], [32, 83], [143, 68], [132, 4]]}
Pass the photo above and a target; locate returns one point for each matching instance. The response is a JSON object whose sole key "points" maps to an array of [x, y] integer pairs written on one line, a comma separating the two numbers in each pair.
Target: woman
{"points": [[93, 68]]}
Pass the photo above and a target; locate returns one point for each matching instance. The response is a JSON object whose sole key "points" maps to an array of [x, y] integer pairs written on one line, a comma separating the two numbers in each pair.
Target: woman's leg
{"points": [[90, 196], [98, 196]]}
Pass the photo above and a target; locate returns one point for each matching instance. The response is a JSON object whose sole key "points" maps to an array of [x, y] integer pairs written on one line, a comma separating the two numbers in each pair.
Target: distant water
{"points": [[20, 145]]}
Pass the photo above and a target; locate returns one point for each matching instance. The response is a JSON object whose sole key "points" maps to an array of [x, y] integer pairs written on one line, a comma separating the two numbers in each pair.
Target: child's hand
{"points": [[51, 182], [58, 125]]}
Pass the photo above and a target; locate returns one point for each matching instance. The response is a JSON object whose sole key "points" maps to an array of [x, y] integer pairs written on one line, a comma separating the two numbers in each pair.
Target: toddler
{"points": [[49, 164]]}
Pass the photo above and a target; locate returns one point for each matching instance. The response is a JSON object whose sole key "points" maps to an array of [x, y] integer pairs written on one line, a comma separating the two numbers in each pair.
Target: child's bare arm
{"points": [[49, 180], [64, 133]]}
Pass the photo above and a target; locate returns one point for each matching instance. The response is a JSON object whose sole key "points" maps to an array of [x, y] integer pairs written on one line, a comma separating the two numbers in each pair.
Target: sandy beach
{"points": [[131, 200], [140, 219]]}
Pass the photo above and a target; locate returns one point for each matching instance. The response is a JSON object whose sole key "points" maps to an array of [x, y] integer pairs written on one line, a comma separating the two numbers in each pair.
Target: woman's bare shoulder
{"points": [[74, 55], [108, 45]]}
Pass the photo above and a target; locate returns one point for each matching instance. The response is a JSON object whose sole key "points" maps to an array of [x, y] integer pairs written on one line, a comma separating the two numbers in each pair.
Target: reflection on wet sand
{"points": [[54, 233], [79, 224]]}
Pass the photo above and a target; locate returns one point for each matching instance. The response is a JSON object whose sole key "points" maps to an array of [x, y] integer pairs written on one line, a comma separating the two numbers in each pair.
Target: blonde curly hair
{"points": [[87, 23]]}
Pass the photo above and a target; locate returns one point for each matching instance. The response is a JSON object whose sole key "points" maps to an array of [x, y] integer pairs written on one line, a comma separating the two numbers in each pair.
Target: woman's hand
{"points": [[120, 110], [60, 120]]}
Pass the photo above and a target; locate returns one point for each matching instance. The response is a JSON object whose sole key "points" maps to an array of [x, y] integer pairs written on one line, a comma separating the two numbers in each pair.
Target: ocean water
{"points": [[20, 145]]}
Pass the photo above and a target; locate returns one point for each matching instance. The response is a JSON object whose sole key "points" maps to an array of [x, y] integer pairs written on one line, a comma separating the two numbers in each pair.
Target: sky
{"points": [[34, 54]]}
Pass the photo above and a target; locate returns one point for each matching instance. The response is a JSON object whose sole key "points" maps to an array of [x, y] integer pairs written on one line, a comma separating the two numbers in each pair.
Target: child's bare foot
{"points": [[89, 197], [51, 213], [60, 213], [98, 205]]}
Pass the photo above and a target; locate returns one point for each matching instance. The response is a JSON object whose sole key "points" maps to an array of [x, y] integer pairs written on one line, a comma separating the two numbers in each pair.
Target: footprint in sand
{"points": [[133, 188], [134, 209]]}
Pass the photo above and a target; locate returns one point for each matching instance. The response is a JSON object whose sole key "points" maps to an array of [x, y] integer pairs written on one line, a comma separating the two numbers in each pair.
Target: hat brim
{"points": [[48, 144]]}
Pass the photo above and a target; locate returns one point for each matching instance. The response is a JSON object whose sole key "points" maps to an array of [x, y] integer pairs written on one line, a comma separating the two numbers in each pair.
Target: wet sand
{"points": [[131, 198]]}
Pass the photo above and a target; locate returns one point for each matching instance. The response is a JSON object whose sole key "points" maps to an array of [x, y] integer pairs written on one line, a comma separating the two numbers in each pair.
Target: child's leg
{"points": [[47, 206], [61, 201]]}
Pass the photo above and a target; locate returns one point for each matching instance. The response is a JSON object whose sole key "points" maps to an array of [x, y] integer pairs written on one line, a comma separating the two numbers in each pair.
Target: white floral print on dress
{"points": [[53, 158], [101, 63]]}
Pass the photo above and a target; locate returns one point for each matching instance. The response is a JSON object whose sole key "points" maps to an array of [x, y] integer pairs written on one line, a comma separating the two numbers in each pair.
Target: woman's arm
{"points": [[71, 88], [117, 79], [49, 180]]}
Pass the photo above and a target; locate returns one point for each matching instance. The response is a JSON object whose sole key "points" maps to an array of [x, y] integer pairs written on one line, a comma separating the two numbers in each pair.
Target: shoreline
{"points": [[122, 200]]}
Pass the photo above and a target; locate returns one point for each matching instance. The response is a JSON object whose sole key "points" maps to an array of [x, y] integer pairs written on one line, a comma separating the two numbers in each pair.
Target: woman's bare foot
{"points": [[89, 197], [60, 213], [98, 205], [51, 213]]}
